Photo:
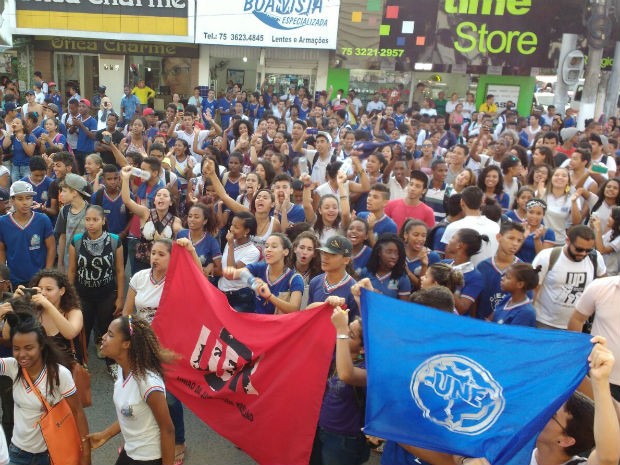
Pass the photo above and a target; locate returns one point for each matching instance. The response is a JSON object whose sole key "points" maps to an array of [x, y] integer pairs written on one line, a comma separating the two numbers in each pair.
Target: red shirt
{"points": [[400, 212]]}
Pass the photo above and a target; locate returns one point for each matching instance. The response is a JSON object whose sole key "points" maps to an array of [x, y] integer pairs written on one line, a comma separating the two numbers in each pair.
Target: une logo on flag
{"points": [[228, 361], [457, 393]]}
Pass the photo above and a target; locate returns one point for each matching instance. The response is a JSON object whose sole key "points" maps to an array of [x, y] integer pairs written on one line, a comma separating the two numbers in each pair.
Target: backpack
{"points": [[555, 254], [430, 238]]}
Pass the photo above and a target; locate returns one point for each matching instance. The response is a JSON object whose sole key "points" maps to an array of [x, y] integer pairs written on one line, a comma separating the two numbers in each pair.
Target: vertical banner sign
{"points": [[165, 20], [268, 23]]}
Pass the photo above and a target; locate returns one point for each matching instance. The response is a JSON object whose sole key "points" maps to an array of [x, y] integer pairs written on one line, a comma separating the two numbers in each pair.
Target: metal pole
{"points": [[613, 86], [590, 87], [569, 43]]}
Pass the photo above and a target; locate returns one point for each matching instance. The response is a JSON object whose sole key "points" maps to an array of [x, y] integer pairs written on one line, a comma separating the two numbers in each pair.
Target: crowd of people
{"points": [[286, 202]]}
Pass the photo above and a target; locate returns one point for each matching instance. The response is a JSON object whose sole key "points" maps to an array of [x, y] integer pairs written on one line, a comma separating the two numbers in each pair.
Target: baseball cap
{"points": [[10, 106], [51, 84], [539, 108], [338, 245], [86, 102], [4, 194], [77, 183], [326, 135], [38, 85], [148, 111], [30, 92], [21, 187], [568, 133], [101, 88]]}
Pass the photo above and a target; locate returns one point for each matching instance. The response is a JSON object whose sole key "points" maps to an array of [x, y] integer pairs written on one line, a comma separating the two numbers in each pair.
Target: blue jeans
{"points": [[19, 171], [18, 456], [339, 449], [176, 415], [242, 300]]}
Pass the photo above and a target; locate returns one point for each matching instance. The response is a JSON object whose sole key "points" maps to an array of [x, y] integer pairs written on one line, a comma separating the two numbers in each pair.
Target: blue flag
{"points": [[463, 386]]}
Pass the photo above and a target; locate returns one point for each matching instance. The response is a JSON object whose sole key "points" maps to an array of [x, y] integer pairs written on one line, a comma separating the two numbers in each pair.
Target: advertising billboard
{"points": [[155, 20], [519, 34], [268, 23]]}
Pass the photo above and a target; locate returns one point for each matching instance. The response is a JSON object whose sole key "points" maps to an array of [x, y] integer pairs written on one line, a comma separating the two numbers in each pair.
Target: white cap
{"points": [[21, 187]]}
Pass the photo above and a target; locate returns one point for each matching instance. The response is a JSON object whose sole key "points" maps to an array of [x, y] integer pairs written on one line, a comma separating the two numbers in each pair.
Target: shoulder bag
{"points": [[59, 430]]}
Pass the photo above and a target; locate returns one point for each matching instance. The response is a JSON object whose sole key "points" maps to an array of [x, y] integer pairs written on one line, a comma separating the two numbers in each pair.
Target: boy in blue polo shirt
{"points": [[39, 180], [378, 221], [282, 191], [27, 241], [86, 127], [334, 281]]}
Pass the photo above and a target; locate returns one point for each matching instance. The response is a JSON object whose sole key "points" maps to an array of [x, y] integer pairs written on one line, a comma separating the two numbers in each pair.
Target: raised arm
{"points": [[135, 208], [231, 203]]}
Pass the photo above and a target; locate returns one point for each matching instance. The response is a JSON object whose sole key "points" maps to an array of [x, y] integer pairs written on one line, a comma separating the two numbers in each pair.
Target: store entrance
{"points": [[77, 69], [281, 82]]}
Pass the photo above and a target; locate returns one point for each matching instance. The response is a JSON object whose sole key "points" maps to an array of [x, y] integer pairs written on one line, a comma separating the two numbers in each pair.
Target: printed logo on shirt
{"points": [[574, 287], [44, 196], [35, 242], [393, 284]]}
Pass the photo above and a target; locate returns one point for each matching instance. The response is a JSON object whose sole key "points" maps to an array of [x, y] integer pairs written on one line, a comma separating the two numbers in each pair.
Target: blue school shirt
{"points": [[85, 143], [504, 200], [512, 216], [527, 252], [232, 188], [394, 288], [473, 282], [361, 259], [522, 314], [114, 209], [288, 282], [19, 156], [26, 252], [224, 105], [415, 266], [37, 131], [40, 189], [295, 214], [207, 248], [384, 224], [141, 192], [492, 292], [319, 290]]}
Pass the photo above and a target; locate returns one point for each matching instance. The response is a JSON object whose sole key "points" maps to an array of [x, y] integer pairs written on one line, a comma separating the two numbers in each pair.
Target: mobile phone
{"points": [[29, 292], [107, 139], [312, 131]]}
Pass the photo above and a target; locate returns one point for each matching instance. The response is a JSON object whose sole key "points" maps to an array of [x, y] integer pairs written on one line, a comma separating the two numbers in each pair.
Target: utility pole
{"points": [[599, 27], [613, 86], [560, 99]]}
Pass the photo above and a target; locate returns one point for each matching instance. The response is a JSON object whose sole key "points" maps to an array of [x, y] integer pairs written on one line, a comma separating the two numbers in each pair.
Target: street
{"points": [[204, 446]]}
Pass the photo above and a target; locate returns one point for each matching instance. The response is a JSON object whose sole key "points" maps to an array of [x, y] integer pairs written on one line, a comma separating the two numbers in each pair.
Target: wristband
{"points": [[342, 336]]}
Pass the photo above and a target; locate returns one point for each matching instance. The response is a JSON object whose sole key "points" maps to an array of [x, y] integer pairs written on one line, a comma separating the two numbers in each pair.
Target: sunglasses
{"points": [[582, 250]]}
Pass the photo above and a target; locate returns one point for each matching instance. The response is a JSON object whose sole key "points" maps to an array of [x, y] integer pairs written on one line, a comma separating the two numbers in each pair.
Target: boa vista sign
{"points": [[268, 23], [137, 17]]}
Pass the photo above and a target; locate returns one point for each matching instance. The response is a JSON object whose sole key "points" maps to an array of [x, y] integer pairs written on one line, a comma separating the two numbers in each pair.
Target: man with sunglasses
{"points": [[565, 273]]}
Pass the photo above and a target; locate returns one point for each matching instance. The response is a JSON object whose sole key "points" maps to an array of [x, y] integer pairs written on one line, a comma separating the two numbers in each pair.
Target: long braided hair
{"points": [[145, 352]]}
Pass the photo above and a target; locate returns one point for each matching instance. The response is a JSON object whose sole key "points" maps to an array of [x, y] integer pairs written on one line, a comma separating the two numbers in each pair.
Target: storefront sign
{"points": [[139, 19], [268, 23], [113, 47], [517, 34]]}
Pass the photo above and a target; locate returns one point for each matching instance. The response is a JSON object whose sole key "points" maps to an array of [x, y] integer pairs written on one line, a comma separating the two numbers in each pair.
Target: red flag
{"points": [[258, 380]]}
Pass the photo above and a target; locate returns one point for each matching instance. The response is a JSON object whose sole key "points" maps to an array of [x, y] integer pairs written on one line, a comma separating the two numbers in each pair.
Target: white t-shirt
{"points": [[325, 189], [28, 408], [396, 190], [611, 258], [601, 297], [148, 294], [561, 287], [135, 417], [189, 138], [246, 253], [319, 168], [478, 223]]}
